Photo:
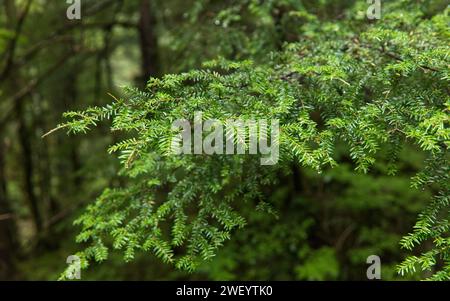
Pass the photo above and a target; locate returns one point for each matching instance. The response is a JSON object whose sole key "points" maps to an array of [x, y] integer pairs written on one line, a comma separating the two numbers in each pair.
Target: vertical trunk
{"points": [[7, 228], [76, 166], [148, 41], [16, 81], [28, 167], [72, 96], [44, 164]]}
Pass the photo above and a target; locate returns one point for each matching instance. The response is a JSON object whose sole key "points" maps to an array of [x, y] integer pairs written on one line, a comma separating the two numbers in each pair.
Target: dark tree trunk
{"points": [[14, 22], [28, 168], [72, 98], [148, 41], [7, 227], [44, 164]]}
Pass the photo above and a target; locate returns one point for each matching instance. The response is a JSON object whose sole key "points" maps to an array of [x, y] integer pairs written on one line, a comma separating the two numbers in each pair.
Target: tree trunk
{"points": [[7, 227], [14, 20], [28, 167], [148, 41]]}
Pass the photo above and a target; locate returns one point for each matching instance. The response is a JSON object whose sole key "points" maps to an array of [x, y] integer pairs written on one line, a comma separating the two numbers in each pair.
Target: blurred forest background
{"points": [[50, 64]]}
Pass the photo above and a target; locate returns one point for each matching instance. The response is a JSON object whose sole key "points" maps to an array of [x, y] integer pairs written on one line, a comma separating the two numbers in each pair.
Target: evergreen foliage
{"points": [[367, 86]]}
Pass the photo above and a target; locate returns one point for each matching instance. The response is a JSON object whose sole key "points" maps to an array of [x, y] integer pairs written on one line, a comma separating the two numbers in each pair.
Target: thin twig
{"points": [[54, 130]]}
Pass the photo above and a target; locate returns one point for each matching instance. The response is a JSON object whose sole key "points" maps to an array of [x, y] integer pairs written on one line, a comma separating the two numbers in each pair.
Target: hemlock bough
{"points": [[365, 84]]}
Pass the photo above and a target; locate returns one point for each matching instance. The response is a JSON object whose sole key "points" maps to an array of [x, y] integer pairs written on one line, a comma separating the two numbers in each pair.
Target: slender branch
{"points": [[60, 36], [398, 58], [392, 55], [6, 216], [13, 45], [19, 96], [54, 130]]}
